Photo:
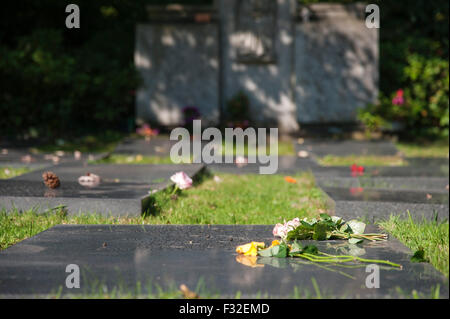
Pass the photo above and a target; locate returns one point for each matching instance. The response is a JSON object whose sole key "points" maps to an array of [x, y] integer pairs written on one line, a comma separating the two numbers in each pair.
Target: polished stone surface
{"points": [[376, 211], [123, 190], [385, 195], [424, 161], [156, 146], [286, 165], [132, 173], [437, 184], [346, 147], [385, 171], [170, 255], [25, 157]]}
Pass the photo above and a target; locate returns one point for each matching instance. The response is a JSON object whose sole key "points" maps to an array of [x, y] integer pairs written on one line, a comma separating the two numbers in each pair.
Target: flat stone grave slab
{"points": [[386, 195], [124, 189], [156, 146], [161, 146], [120, 256], [346, 147], [423, 161], [286, 165], [24, 157], [385, 171], [396, 183], [376, 211]]}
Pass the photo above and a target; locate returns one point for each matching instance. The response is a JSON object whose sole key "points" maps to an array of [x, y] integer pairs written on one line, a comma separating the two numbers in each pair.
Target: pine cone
{"points": [[51, 180]]}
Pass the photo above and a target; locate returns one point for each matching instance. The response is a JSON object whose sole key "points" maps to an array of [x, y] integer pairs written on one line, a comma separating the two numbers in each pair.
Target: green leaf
{"points": [[300, 233], [419, 256], [336, 220], [307, 225], [325, 217], [355, 240], [310, 249], [357, 226], [296, 247], [320, 231], [266, 252], [280, 251], [346, 229]]}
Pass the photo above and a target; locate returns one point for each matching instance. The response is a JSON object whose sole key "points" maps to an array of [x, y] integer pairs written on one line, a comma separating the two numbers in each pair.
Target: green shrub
{"points": [[50, 92], [238, 111], [425, 109], [414, 55]]}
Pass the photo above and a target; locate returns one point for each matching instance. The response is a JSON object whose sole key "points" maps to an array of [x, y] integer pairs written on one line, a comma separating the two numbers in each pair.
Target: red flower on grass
{"points": [[357, 170]]}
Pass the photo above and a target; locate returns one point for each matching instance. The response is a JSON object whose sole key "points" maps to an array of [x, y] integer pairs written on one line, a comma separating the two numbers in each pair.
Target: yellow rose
{"points": [[250, 249], [274, 243]]}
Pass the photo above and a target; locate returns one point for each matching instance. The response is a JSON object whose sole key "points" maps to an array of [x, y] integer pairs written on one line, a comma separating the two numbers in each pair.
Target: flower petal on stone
{"points": [[303, 154], [250, 249], [89, 180]]}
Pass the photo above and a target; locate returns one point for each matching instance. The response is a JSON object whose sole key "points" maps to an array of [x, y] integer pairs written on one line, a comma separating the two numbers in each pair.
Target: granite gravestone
{"points": [[123, 190], [170, 255]]}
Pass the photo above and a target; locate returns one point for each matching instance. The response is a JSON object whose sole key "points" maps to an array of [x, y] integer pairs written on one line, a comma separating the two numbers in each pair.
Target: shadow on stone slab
{"points": [[170, 255]]}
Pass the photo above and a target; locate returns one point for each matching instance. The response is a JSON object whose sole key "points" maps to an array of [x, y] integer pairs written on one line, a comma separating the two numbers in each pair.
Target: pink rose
{"points": [[181, 180], [278, 229], [281, 230], [292, 224]]}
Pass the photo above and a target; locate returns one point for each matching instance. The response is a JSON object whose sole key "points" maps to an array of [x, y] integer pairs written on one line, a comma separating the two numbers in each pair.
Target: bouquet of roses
{"points": [[323, 228]]}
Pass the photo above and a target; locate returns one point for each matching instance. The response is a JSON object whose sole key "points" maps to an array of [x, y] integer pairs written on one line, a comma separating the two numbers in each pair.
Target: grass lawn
{"points": [[246, 199], [364, 160], [9, 172], [432, 236], [436, 149]]}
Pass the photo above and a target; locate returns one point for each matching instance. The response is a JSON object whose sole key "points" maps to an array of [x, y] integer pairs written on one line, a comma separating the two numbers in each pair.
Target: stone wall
{"points": [[266, 83], [336, 63], [179, 66], [297, 65]]}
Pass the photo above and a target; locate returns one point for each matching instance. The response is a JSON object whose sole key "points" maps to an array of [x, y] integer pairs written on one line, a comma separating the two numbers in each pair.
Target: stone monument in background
{"points": [[314, 64]]}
